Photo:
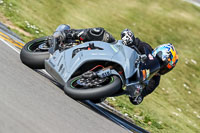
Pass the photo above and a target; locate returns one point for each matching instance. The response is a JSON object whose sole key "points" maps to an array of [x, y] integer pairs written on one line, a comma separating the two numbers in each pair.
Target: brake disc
{"points": [[90, 79]]}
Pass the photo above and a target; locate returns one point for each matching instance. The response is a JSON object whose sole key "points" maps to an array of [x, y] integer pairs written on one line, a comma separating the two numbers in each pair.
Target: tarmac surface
{"points": [[31, 103]]}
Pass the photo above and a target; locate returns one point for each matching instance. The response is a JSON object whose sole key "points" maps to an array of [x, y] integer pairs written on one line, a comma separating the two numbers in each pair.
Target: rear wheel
{"points": [[35, 52], [92, 89]]}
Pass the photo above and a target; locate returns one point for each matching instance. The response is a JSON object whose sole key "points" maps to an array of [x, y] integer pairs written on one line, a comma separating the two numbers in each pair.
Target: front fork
{"points": [[132, 89]]}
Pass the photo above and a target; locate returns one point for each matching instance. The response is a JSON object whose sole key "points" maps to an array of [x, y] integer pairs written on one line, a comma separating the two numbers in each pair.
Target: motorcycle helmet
{"points": [[127, 37], [168, 57]]}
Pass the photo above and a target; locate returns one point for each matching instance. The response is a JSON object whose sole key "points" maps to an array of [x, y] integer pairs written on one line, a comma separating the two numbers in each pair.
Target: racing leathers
{"points": [[155, 80]]}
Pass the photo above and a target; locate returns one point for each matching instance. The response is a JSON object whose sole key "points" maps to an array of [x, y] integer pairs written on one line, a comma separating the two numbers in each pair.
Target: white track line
{"points": [[17, 51], [10, 46]]}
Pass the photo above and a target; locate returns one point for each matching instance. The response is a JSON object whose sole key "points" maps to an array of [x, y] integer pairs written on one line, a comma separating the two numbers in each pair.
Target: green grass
{"points": [[174, 106]]}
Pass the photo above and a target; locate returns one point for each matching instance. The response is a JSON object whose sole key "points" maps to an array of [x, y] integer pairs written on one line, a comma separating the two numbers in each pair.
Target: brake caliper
{"points": [[104, 73]]}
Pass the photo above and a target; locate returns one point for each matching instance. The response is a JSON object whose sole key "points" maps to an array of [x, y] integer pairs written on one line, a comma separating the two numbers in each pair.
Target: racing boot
{"points": [[136, 100]]}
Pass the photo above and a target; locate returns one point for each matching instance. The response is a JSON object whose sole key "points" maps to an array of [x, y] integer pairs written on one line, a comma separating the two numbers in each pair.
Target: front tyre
{"points": [[73, 89], [35, 52]]}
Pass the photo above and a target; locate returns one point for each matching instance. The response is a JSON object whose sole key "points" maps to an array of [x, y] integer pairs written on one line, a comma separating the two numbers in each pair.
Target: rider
{"points": [[166, 53]]}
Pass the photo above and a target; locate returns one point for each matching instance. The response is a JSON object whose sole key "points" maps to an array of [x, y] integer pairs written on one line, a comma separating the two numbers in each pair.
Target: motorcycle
{"points": [[92, 70]]}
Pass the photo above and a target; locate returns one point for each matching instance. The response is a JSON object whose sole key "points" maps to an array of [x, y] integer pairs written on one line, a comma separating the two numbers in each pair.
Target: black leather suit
{"points": [[155, 80]]}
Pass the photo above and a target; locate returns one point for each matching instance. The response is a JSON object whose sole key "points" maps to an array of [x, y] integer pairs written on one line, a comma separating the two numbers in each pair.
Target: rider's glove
{"points": [[136, 100]]}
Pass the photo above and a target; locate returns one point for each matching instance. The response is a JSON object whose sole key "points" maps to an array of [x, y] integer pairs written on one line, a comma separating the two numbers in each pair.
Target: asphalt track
{"points": [[29, 102]]}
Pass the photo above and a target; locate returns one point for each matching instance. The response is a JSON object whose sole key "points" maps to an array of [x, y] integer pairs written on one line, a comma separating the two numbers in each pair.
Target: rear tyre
{"points": [[110, 87], [33, 56]]}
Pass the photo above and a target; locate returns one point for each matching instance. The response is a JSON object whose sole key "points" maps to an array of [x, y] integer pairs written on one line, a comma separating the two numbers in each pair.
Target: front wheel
{"points": [[102, 88], [35, 52]]}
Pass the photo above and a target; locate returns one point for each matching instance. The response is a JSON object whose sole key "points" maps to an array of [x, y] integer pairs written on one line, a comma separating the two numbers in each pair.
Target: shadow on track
{"points": [[100, 109]]}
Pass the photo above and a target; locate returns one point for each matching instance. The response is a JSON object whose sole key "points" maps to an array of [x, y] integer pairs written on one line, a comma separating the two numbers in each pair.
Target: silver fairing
{"points": [[61, 65]]}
